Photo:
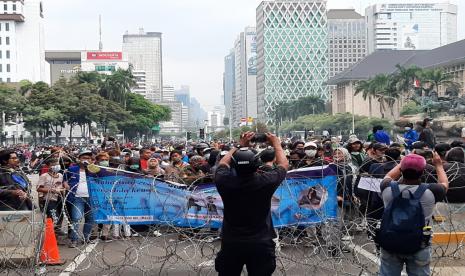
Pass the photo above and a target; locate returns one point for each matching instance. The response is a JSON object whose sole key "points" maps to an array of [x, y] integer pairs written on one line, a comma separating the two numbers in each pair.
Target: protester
{"points": [[78, 197], [14, 185], [154, 169], [410, 135], [51, 189], [247, 232], [427, 134], [455, 170], [412, 248], [355, 148]]}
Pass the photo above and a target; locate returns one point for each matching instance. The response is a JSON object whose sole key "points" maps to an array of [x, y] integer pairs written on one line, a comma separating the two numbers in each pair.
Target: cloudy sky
{"points": [[197, 34]]}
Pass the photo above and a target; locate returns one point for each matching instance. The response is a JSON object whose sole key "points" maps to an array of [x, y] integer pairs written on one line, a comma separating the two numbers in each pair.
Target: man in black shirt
{"points": [[248, 233]]}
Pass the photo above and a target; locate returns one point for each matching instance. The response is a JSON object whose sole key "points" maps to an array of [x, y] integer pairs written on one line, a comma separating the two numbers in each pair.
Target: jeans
{"points": [[417, 263], [258, 257], [80, 207]]}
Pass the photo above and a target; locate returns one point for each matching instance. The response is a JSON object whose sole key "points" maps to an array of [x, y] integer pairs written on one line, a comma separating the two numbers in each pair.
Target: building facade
{"points": [[22, 52], [183, 95], [415, 26], [450, 58], [103, 62], [144, 53], [292, 53], [229, 82], [168, 93], [63, 64], [347, 39]]}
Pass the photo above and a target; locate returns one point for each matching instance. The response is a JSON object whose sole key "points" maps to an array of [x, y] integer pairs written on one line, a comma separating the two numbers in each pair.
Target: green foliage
{"points": [[338, 122], [87, 98], [302, 106], [411, 108]]}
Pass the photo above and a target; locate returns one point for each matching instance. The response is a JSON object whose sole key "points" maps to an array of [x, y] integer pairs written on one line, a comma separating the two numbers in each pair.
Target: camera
{"points": [[111, 138], [427, 154], [259, 138]]}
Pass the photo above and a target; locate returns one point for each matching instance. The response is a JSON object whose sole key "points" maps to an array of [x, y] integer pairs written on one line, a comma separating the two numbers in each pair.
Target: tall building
{"points": [[141, 82], [347, 39], [401, 26], [292, 53], [168, 93], [229, 82], [175, 125], [244, 96], [144, 53], [22, 52], [197, 114], [183, 95]]}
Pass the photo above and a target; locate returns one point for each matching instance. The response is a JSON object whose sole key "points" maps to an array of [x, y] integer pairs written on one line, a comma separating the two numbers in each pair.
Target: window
{"points": [[14, 7], [1, 67], [7, 27], [5, 7], [1, 80], [8, 68], [8, 79], [7, 53], [0, 40], [1, 54], [7, 40]]}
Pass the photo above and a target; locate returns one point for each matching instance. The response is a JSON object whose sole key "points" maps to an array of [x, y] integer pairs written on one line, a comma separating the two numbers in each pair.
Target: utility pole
{"points": [[230, 124], [100, 44]]}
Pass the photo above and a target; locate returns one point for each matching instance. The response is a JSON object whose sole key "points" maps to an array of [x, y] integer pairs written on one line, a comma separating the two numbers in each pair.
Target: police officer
{"points": [[248, 233]]}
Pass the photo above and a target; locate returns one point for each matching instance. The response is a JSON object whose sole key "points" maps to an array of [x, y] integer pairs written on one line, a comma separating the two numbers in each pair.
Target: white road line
{"points": [[365, 253], [78, 260]]}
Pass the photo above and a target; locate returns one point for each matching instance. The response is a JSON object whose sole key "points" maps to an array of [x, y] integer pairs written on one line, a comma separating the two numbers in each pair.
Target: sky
{"points": [[197, 34]]}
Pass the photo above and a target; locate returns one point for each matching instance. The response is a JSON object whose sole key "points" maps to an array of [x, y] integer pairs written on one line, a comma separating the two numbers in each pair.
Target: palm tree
{"points": [[379, 85], [405, 78], [118, 85], [435, 78], [365, 87]]}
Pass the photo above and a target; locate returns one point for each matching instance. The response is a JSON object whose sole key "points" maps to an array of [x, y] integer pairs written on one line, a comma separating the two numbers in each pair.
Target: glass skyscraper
{"points": [[292, 53]]}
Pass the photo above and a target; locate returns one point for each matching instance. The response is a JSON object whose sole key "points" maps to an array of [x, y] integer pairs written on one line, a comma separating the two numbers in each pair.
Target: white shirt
{"points": [[81, 190], [463, 132]]}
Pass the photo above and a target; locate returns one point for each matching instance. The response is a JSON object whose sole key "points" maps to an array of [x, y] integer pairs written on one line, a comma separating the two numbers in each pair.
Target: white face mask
{"points": [[310, 153], [407, 128], [55, 168]]}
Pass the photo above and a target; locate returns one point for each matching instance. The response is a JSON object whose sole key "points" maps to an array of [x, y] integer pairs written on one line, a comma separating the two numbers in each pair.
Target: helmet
{"points": [[246, 161]]}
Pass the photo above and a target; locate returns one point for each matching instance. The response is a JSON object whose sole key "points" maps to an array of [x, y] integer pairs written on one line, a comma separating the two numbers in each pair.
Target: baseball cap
{"points": [[413, 162], [353, 140], [379, 146], [85, 152]]}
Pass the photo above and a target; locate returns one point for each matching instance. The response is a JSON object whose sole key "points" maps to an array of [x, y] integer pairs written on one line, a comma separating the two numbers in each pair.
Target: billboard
{"points": [[104, 55], [251, 53], [409, 37]]}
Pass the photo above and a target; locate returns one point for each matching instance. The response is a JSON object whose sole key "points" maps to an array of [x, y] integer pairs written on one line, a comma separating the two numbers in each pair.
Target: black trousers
{"points": [[258, 257]]}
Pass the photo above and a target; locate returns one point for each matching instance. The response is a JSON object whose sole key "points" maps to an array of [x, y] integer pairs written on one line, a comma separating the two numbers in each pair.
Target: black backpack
{"points": [[403, 222]]}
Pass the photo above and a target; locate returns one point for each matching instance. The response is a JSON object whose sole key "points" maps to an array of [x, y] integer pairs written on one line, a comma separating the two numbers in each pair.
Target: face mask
{"points": [[207, 156], [355, 153], [183, 152], [85, 162], [310, 153], [165, 158], [55, 168], [104, 163], [407, 128], [116, 158], [176, 160]]}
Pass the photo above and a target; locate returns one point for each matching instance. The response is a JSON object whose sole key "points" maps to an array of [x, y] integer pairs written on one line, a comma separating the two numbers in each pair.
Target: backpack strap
{"points": [[420, 191], [395, 189]]}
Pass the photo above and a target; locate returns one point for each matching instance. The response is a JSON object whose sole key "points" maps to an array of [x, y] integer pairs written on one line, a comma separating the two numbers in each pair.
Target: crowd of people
{"points": [[63, 170]]}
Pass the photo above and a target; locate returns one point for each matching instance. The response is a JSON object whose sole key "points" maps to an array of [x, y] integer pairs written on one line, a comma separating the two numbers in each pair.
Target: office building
{"points": [[141, 84], [244, 96], [229, 82], [182, 94], [347, 39], [168, 93], [416, 26], [103, 62], [292, 53], [22, 52], [64, 64], [144, 53]]}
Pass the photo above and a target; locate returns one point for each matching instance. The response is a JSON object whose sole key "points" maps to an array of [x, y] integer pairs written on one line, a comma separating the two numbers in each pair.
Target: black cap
{"points": [[442, 147], [245, 161], [379, 146], [419, 145]]}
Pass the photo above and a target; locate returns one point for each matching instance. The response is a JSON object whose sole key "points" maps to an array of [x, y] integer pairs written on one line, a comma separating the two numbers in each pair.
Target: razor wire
{"points": [[331, 247]]}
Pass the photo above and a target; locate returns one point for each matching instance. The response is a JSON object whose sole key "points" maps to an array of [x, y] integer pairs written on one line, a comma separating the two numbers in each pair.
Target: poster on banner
{"points": [[138, 200]]}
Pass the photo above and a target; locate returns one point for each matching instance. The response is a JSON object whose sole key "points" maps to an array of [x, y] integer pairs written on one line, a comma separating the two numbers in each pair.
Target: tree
{"points": [[435, 78], [365, 87], [405, 78], [117, 86]]}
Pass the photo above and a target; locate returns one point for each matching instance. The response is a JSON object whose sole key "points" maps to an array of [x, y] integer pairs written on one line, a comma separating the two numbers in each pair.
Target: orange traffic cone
{"points": [[50, 254]]}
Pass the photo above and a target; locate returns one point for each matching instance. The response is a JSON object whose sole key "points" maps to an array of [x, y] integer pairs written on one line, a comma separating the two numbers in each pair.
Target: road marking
{"points": [[78, 260], [364, 253]]}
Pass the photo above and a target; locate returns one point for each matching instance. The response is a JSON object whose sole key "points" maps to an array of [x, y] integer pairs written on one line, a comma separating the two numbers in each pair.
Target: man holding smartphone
{"points": [[248, 232]]}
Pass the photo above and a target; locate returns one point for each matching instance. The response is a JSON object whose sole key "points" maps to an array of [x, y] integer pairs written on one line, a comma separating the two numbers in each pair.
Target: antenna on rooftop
{"points": [[100, 44]]}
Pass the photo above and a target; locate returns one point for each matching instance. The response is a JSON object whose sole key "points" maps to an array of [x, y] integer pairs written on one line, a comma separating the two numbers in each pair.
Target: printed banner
{"points": [[307, 196]]}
